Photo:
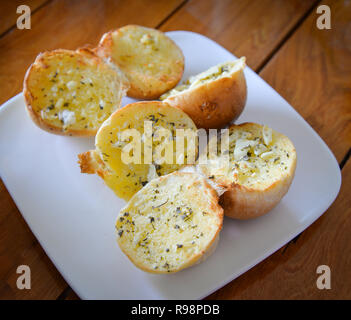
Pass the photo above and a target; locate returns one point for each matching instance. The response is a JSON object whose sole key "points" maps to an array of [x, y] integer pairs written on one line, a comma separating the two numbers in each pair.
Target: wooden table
{"points": [[309, 67]]}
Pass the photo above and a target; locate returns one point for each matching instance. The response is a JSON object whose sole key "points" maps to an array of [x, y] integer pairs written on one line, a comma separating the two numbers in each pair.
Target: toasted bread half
{"points": [[170, 224], [71, 92], [150, 60], [260, 170], [212, 98], [128, 154]]}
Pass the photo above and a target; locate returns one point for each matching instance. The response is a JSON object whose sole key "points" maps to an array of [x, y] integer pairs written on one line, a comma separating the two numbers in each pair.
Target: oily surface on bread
{"points": [[170, 224], [214, 97], [125, 179], [150, 60], [71, 92], [260, 170]]}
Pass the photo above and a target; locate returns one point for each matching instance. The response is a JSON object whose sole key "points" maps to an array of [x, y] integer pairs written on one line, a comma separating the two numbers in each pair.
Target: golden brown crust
{"points": [[90, 163], [213, 104], [244, 202], [29, 99], [210, 197], [86, 163], [126, 179], [86, 56], [241, 202], [144, 85]]}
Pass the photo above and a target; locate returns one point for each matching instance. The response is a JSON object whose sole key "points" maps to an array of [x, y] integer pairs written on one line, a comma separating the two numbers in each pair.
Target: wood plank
{"points": [[65, 24], [18, 246], [245, 27], [9, 15], [291, 273], [224, 23], [46, 282], [311, 72], [260, 284], [71, 295], [69, 24]]}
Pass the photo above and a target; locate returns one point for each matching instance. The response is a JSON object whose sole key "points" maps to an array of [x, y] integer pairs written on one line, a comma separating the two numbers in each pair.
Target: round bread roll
{"points": [[128, 154], [150, 60], [212, 98], [71, 92], [259, 173], [170, 224]]}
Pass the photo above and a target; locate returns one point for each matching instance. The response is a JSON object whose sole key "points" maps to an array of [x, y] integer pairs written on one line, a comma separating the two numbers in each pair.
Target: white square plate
{"points": [[73, 215]]}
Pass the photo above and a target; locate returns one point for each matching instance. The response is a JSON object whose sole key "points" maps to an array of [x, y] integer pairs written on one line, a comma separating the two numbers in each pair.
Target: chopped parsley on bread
{"points": [[261, 168], [107, 160], [170, 224], [152, 62], [214, 97], [71, 92]]}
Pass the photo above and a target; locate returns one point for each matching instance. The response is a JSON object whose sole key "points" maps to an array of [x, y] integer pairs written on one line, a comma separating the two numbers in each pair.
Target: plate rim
{"points": [[303, 226]]}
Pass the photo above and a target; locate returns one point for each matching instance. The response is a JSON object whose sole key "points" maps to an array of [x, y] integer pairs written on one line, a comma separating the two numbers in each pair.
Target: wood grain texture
{"points": [[60, 24], [18, 246], [9, 15], [71, 295], [290, 273], [312, 72], [70, 24], [245, 27]]}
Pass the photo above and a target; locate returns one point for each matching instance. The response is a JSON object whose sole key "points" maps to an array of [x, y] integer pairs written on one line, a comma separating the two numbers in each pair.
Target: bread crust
{"points": [[143, 85], [106, 160], [243, 202], [213, 104], [212, 198], [91, 163], [86, 56]]}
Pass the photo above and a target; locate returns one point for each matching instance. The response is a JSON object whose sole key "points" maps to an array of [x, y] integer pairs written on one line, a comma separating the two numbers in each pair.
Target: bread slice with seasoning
{"points": [[129, 146], [259, 173], [71, 92], [150, 60], [171, 224], [214, 97]]}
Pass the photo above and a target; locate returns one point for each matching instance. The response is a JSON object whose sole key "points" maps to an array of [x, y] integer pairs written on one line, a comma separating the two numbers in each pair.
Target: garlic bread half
{"points": [[71, 92], [260, 170], [214, 97], [170, 224], [150, 60], [137, 144]]}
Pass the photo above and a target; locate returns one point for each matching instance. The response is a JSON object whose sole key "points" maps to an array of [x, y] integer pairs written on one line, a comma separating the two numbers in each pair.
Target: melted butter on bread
{"points": [[150, 60], [216, 72], [71, 92], [170, 224], [259, 172], [126, 179], [258, 156]]}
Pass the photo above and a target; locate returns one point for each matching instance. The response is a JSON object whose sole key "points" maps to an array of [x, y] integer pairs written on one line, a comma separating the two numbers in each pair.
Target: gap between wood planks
{"points": [[269, 57], [345, 159], [32, 12], [67, 291], [265, 62], [287, 37], [171, 14], [341, 165]]}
